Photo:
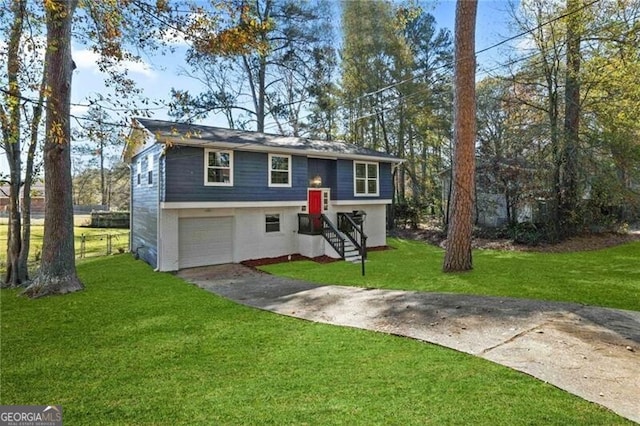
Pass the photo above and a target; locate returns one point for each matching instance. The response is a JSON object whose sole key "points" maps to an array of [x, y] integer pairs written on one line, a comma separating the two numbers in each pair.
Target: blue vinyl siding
{"points": [[184, 167], [344, 176], [326, 169], [144, 208], [345, 181], [386, 181]]}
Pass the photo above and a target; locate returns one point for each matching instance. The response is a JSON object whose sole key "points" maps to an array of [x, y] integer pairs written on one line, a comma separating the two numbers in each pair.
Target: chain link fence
{"points": [[86, 245], [101, 244]]}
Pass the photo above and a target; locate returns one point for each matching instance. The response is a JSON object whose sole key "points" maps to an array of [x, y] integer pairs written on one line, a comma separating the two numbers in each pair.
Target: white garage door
{"points": [[205, 241]]}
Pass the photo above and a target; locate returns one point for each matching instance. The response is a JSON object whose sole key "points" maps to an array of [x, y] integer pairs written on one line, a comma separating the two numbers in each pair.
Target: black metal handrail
{"points": [[354, 231], [332, 235]]}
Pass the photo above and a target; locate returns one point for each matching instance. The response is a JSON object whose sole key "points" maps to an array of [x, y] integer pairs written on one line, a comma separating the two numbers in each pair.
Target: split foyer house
{"points": [[204, 195]]}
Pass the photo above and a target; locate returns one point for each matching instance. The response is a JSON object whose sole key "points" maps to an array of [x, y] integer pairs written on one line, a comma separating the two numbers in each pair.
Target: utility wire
{"points": [[486, 49], [363, 96]]}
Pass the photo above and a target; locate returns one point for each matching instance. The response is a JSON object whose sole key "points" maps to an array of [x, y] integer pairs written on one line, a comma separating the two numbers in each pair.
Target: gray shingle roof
{"points": [[194, 134]]}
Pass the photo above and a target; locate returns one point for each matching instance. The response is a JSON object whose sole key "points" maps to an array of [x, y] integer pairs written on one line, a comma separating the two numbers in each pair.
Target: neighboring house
{"points": [[37, 200], [204, 195], [499, 194]]}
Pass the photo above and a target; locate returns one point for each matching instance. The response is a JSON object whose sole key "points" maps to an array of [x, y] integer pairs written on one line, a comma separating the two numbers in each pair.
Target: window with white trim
{"points": [[150, 169], [139, 172], [365, 179], [218, 167], [279, 170], [272, 223]]}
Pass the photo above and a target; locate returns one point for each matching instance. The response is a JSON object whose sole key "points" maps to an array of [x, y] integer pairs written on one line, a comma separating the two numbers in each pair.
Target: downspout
{"points": [[130, 207], [158, 215]]}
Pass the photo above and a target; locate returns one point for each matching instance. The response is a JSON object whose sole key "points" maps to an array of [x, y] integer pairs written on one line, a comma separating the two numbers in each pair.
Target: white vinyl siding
{"points": [[279, 170], [218, 167], [366, 179]]}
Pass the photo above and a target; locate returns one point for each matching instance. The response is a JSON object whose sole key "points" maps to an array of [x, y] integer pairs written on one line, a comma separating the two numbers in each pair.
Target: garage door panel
{"points": [[205, 241]]}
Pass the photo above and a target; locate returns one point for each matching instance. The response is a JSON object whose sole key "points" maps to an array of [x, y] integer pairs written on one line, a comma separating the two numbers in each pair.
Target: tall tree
{"points": [[429, 103], [375, 56], [102, 143], [11, 143], [568, 208], [108, 27], [611, 108], [458, 254], [57, 273], [20, 126], [274, 81], [541, 85]]}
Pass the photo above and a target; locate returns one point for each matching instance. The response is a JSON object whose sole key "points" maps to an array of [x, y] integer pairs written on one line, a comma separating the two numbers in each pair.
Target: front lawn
{"points": [[609, 277], [138, 347]]}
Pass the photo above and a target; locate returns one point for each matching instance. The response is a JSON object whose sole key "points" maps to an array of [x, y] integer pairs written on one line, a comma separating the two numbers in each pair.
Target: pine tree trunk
{"points": [[57, 273], [458, 255]]}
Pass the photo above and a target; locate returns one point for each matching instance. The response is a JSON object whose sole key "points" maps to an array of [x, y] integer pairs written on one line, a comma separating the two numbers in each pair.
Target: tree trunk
{"points": [[57, 273], [401, 153], [458, 255], [23, 263], [569, 195], [103, 195], [11, 139], [260, 112]]}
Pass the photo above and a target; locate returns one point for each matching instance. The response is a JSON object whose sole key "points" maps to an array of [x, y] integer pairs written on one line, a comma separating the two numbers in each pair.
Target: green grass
{"points": [[138, 347], [609, 277], [95, 241]]}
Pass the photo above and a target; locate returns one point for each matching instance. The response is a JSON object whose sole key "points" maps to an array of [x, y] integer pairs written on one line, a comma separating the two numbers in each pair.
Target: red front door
{"points": [[315, 201], [315, 208]]}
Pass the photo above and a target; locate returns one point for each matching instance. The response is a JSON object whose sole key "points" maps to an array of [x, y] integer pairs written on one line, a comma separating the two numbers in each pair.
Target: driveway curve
{"points": [[589, 351]]}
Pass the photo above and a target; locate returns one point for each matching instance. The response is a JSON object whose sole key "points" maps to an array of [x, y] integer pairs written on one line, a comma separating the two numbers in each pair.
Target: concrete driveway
{"points": [[589, 351]]}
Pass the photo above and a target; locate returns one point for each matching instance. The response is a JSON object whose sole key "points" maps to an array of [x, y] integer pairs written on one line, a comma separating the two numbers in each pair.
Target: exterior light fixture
{"points": [[316, 181]]}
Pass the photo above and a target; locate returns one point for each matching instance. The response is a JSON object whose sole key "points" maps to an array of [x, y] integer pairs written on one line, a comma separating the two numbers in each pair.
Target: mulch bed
{"points": [[585, 242], [253, 263]]}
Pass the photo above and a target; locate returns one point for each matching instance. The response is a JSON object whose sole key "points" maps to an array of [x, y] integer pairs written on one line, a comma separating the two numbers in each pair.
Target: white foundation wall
{"points": [[250, 239], [375, 224], [311, 245]]}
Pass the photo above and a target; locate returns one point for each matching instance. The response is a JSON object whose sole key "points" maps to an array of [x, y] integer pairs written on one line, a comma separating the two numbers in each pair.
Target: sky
{"points": [[158, 74]]}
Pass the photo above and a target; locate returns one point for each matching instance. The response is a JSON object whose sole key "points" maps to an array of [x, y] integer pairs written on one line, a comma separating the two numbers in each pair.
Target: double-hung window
{"points": [[279, 170], [272, 223], [218, 167], [366, 181], [139, 172], [150, 169]]}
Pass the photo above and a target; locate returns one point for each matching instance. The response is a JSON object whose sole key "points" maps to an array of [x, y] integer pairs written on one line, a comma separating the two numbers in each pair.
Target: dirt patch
{"points": [[583, 242]]}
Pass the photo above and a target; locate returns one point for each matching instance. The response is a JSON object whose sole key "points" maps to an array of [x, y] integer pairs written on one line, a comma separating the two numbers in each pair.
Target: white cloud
{"points": [[175, 38], [88, 60], [79, 110], [32, 49], [526, 43]]}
